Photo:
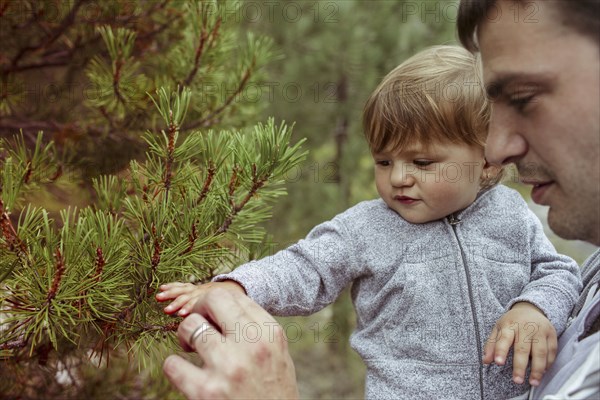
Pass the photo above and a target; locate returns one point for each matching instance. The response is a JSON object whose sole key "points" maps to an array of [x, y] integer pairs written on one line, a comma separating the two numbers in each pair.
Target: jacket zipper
{"points": [[453, 221]]}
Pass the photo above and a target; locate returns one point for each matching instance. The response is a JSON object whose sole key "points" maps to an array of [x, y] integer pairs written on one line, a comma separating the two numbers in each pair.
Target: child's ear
{"points": [[491, 174]]}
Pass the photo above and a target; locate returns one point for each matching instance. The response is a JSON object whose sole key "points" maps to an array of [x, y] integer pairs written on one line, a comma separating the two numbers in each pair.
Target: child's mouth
{"points": [[405, 199]]}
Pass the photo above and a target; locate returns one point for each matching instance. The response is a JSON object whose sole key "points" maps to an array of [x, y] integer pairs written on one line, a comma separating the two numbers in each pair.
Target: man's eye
{"points": [[383, 163], [422, 163], [519, 102]]}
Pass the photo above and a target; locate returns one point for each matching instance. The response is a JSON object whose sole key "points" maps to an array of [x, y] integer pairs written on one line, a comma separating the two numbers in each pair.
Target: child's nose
{"points": [[402, 175]]}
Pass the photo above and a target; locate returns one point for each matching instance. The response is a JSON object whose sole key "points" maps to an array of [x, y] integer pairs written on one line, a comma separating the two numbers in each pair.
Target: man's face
{"points": [[544, 78]]}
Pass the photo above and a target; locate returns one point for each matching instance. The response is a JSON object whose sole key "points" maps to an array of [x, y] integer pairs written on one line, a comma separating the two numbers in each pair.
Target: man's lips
{"points": [[539, 190], [405, 199]]}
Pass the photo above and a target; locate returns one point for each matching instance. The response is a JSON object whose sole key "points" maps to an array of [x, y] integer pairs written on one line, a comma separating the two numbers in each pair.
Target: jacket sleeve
{"points": [[303, 278], [555, 280]]}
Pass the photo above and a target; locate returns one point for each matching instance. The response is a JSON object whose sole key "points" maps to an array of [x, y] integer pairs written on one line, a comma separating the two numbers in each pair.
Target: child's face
{"points": [[424, 185]]}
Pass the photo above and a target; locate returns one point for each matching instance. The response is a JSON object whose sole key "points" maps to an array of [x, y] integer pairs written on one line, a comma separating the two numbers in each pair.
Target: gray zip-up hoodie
{"points": [[426, 295]]}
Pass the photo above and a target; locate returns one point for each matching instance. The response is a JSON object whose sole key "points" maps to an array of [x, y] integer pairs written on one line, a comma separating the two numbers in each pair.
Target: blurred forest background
{"points": [[324, 60]]}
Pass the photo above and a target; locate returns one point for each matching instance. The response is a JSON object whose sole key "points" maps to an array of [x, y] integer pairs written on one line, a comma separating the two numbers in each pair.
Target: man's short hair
{"points": [[582, 16]]}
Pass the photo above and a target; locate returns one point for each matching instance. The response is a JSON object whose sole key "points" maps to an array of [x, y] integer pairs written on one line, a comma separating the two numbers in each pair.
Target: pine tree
{"points": [[77, 290], [80, 69]]}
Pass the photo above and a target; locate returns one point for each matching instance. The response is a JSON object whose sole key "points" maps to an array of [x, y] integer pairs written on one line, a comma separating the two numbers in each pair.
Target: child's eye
{"points": [[422, 163], [383, 163]]}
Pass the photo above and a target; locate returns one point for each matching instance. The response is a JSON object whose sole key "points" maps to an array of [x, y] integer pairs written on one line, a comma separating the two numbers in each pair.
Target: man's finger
{"points": [[186, 377], [195, 333], [230, 310]]}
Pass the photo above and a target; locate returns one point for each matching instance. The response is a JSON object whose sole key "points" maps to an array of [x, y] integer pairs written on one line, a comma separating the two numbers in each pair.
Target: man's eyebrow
{"points": [[497, 87]]}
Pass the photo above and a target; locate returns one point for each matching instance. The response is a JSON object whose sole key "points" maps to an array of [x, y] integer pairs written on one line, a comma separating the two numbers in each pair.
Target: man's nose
{"points": [[505, 143]]}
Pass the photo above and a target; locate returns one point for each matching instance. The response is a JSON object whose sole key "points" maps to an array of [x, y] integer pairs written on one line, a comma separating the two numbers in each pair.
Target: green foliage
{"points": [[80, 71], [84, 285]]}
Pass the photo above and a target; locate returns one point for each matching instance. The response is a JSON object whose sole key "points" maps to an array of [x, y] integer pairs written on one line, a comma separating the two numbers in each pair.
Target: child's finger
{"points": [[172, 292], [170, 285], [490, 346], [552, 349], [503, 344], [521, 352], [177, 304], [186, 309], [539, 358]]}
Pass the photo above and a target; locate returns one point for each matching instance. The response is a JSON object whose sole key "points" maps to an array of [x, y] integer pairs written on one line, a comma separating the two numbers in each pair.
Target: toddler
{"points": [[445, 258]]}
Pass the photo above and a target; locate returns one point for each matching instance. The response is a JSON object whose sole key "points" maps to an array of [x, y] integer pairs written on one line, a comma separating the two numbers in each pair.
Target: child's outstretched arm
{"points": [[525, 328], [184, 295]]}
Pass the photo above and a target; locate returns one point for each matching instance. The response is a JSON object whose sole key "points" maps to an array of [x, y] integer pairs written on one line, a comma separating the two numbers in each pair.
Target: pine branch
{"points": [[15, 344], [207, 182], [116, 80], [100, 262], [108, 117], [236, 208], [245, 77], [192, 239], [170, 155], [233, 184], [10, 235], [29, 126], [44, 63], [155, 256], [146, 286], [28, 171], [171, 327], [66, 23], [19, 343], [60, 271], [205, 37]]}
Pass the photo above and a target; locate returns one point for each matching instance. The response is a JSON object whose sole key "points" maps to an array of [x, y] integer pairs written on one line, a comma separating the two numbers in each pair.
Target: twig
{"points": [[170, 155], [28, 171], [60, 271], [207, 182], [100, 262], [227, 103], [236, 208], [205, 37], [15, 344], [156, 255], [9, 233], [192, 239], [171, 327], [66, 23], [116, 80]]}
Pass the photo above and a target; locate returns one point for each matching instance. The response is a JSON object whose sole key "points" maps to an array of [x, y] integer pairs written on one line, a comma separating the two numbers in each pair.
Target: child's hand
{"points": [[532, 334], [186, 294]]}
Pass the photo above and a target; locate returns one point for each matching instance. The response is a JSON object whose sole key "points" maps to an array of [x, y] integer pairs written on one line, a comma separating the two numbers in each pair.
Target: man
{"points": [[541, 64]]}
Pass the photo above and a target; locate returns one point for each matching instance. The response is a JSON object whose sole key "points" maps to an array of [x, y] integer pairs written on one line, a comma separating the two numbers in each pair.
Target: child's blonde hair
{"points": [[435, 96]]}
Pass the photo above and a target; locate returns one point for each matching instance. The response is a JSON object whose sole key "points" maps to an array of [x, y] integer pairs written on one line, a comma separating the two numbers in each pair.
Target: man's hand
{"points": [[233, 366], [186, 294], [533, 336]]}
